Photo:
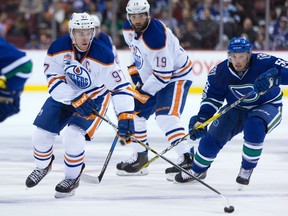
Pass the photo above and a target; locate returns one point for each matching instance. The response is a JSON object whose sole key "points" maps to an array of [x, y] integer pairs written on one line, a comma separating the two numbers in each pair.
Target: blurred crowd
{"points": [[32, 24]]}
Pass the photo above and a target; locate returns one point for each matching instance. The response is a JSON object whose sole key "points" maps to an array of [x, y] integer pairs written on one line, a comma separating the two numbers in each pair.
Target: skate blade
{"points": [[170, 176], [241, 187], [59, 195], [142, 172]]}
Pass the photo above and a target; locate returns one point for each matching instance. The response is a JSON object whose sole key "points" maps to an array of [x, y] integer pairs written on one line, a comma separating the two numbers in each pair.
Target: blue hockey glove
{"points": [[2, 82], [84, 105], [195, 121], [267, 80], [133, 72], [9, 103], [140, 99], [126, 126]]}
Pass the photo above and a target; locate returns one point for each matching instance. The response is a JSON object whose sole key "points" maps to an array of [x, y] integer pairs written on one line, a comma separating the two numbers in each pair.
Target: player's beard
{"points": [[139, 28]]}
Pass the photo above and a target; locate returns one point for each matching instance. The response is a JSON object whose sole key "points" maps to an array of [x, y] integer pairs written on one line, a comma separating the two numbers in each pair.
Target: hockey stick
{"points": [[97, 180], [122, 142], [227, 208], [216, 116]]}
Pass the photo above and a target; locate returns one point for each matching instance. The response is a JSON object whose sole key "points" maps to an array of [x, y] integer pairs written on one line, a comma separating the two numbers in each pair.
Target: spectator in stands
{"points": [[208, 29], [247, 30], [280, 35], [230, 18], [191, 39], [201, 11]]}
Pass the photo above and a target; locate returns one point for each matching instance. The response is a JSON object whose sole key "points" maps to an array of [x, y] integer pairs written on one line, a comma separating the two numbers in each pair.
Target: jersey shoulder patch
{"points": [[155, 35]]}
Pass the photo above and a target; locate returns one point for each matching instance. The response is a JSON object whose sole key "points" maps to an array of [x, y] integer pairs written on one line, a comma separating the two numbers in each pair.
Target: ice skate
{"points": [[131, 167], [38, 174], [184, 178], [243, 177], [67, 187], [184, 161]]}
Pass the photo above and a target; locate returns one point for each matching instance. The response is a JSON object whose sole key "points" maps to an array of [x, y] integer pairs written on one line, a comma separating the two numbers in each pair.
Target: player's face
{"points": [[82, 38], [239, 60], [139, 21]]}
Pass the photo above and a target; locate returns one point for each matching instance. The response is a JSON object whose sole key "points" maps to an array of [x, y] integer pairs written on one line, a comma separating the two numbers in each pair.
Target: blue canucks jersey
{"points": [[225, 84]]}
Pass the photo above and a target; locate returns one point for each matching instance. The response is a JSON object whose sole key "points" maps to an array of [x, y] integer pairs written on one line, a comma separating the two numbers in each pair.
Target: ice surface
{"points": [[150, 195]]}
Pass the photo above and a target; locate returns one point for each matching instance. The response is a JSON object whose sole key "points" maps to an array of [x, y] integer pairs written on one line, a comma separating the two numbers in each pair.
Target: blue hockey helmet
{"points": [[239, 44]]}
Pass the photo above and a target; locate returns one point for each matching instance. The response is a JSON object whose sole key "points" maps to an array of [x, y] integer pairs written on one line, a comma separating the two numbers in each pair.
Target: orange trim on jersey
{"points": [[91, 130], [58, 53], [55, 78], [176, 135], [177, 98], [109, 64], [167, 77], [96, 92], [187, 66]]}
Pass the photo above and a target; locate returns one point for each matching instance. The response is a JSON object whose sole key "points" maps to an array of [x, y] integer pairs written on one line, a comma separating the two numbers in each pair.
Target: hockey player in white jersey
{"points": [[82, 76], [162, 73]]}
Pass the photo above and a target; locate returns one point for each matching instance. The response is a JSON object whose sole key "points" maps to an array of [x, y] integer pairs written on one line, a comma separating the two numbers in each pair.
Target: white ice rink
{"points": [[149, 195]]}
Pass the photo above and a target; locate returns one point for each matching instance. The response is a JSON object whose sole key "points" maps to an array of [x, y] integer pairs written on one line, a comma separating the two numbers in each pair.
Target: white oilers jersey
{"points": [[70, 73], [157, 55]]}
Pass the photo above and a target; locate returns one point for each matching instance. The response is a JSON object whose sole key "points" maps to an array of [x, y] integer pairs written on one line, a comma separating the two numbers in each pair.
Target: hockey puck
{"points": [[229, 209]]}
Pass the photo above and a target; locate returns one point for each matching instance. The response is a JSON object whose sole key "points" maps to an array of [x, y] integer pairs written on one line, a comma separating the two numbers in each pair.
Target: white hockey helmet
{"points": [[80, 21], [96, 20], [137, 6]]}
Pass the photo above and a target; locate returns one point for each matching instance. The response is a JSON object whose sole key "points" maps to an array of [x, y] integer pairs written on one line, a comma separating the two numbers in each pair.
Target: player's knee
{"points": [[254, 130], [74, 140], [43, 140], [209, 146], [168, 122]]}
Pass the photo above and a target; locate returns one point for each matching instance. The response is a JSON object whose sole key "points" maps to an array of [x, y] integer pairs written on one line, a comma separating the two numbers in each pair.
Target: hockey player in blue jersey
{"points": [[256, 116], [162, 73], [82, 76], [15, 69]]}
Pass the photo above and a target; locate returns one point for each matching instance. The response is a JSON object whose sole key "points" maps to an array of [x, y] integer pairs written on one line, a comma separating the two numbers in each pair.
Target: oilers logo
{"points": [[137, 57], [79, 76]]}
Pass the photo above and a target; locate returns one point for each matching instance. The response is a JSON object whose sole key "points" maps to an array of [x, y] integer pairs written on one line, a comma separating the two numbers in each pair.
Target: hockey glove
{"points": [[2, 82], [195, 121], [126, 126], [140, 99], [267, 80], [133, 72], [85, 105]]}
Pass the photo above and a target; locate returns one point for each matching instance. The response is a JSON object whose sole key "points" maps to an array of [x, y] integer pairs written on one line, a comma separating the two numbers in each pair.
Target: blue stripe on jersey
{"points": [[122, 93], [181, 75], [54, 86], [121, 86], [174, 130], [160, 80]]}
